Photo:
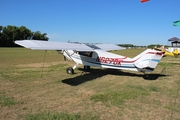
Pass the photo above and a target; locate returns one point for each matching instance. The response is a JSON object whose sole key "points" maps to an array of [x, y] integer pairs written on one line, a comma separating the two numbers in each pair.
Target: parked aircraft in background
{"points": [[174, 53], [97, 55]]}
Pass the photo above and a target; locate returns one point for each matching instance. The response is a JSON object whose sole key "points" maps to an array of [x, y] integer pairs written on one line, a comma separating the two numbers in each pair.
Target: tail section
{"points": [[160, 49], [148, 60]]}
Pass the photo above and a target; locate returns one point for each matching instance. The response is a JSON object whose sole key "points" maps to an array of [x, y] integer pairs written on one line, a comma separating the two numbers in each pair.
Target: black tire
{"points": [[146, 77], [86, 68], [70, 70]]}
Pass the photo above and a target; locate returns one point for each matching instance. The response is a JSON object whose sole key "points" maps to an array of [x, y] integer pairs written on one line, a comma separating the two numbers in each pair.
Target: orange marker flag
{"points": [[142, 1]]}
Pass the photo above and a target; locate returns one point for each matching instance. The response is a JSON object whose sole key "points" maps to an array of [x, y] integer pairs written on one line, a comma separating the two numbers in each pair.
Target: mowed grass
{"points": [[32, 92]]}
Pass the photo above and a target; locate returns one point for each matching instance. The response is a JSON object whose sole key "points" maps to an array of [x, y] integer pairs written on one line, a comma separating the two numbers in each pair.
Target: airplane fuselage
{"points": [[100, 58]]}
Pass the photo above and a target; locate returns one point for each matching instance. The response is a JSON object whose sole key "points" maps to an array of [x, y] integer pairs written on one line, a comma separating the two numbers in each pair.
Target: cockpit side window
{"points": [[88, 54]]}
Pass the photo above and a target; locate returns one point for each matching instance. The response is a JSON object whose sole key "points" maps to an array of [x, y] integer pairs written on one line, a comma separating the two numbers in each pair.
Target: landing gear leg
{"points": [[145, 75], [75, 65], [86, 68]]}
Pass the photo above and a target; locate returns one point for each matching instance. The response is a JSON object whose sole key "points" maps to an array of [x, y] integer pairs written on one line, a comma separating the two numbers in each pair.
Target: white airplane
{"points": [[98, 55]]}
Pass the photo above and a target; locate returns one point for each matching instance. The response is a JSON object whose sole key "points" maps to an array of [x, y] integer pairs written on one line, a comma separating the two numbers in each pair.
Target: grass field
{"points": [[29, 92]]}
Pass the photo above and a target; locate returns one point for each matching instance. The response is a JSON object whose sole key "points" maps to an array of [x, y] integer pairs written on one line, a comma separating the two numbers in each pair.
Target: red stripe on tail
{"points": [[142, 1]]}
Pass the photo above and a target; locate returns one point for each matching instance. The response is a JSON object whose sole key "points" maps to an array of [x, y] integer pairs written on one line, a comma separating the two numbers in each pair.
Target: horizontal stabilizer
{"points": [[109, 47]]}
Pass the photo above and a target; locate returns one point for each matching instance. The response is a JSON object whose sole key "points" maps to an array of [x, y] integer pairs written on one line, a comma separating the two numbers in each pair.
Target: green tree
{"points": [[154, 45], [126, 45], [38, 36], [9, 34], [24, 33], [1, 28]]}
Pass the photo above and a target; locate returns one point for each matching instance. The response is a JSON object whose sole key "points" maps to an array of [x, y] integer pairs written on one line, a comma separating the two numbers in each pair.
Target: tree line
{"points": [[8, 34], [130, 45], [136, 46]]}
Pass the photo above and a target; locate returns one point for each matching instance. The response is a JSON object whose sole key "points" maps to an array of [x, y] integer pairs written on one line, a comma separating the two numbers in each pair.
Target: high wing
{"points": [[47, 45]]}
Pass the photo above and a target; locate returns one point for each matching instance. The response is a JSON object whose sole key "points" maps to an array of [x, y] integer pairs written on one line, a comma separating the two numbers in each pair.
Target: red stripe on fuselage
{"points": [[122, 60], [157, 53]]}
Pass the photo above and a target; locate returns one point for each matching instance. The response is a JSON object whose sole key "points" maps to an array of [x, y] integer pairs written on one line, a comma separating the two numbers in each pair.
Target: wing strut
{"points": [[43, 64]]}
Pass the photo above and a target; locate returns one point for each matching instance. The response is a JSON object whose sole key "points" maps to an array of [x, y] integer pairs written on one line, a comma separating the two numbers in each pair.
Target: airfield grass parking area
{"points": [[29, 91]]}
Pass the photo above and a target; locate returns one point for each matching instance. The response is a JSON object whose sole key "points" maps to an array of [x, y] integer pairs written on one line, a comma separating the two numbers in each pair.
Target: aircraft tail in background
{"points": [[172, 53]]}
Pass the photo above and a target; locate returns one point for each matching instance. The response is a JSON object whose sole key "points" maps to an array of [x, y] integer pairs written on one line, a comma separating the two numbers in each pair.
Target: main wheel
{"points": [[70, 70], [86, 68]]}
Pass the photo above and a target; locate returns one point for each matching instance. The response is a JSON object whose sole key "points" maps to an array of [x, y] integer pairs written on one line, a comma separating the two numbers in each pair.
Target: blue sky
{"points": [[96, 21]]}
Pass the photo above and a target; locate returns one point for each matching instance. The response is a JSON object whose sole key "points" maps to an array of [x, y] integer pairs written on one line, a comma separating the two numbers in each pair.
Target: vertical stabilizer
{"points": [[148, 60]]}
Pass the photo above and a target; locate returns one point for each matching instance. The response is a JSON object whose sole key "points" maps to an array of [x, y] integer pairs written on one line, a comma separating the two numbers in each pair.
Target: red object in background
{"points": [[144, 1]]}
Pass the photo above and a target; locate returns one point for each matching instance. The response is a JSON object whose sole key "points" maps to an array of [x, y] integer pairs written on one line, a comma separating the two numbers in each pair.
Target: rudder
{"points": [[148, 60]]}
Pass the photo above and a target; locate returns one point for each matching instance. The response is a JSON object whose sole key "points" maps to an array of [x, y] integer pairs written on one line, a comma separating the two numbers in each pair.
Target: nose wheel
{"points": [[70, 70]]}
